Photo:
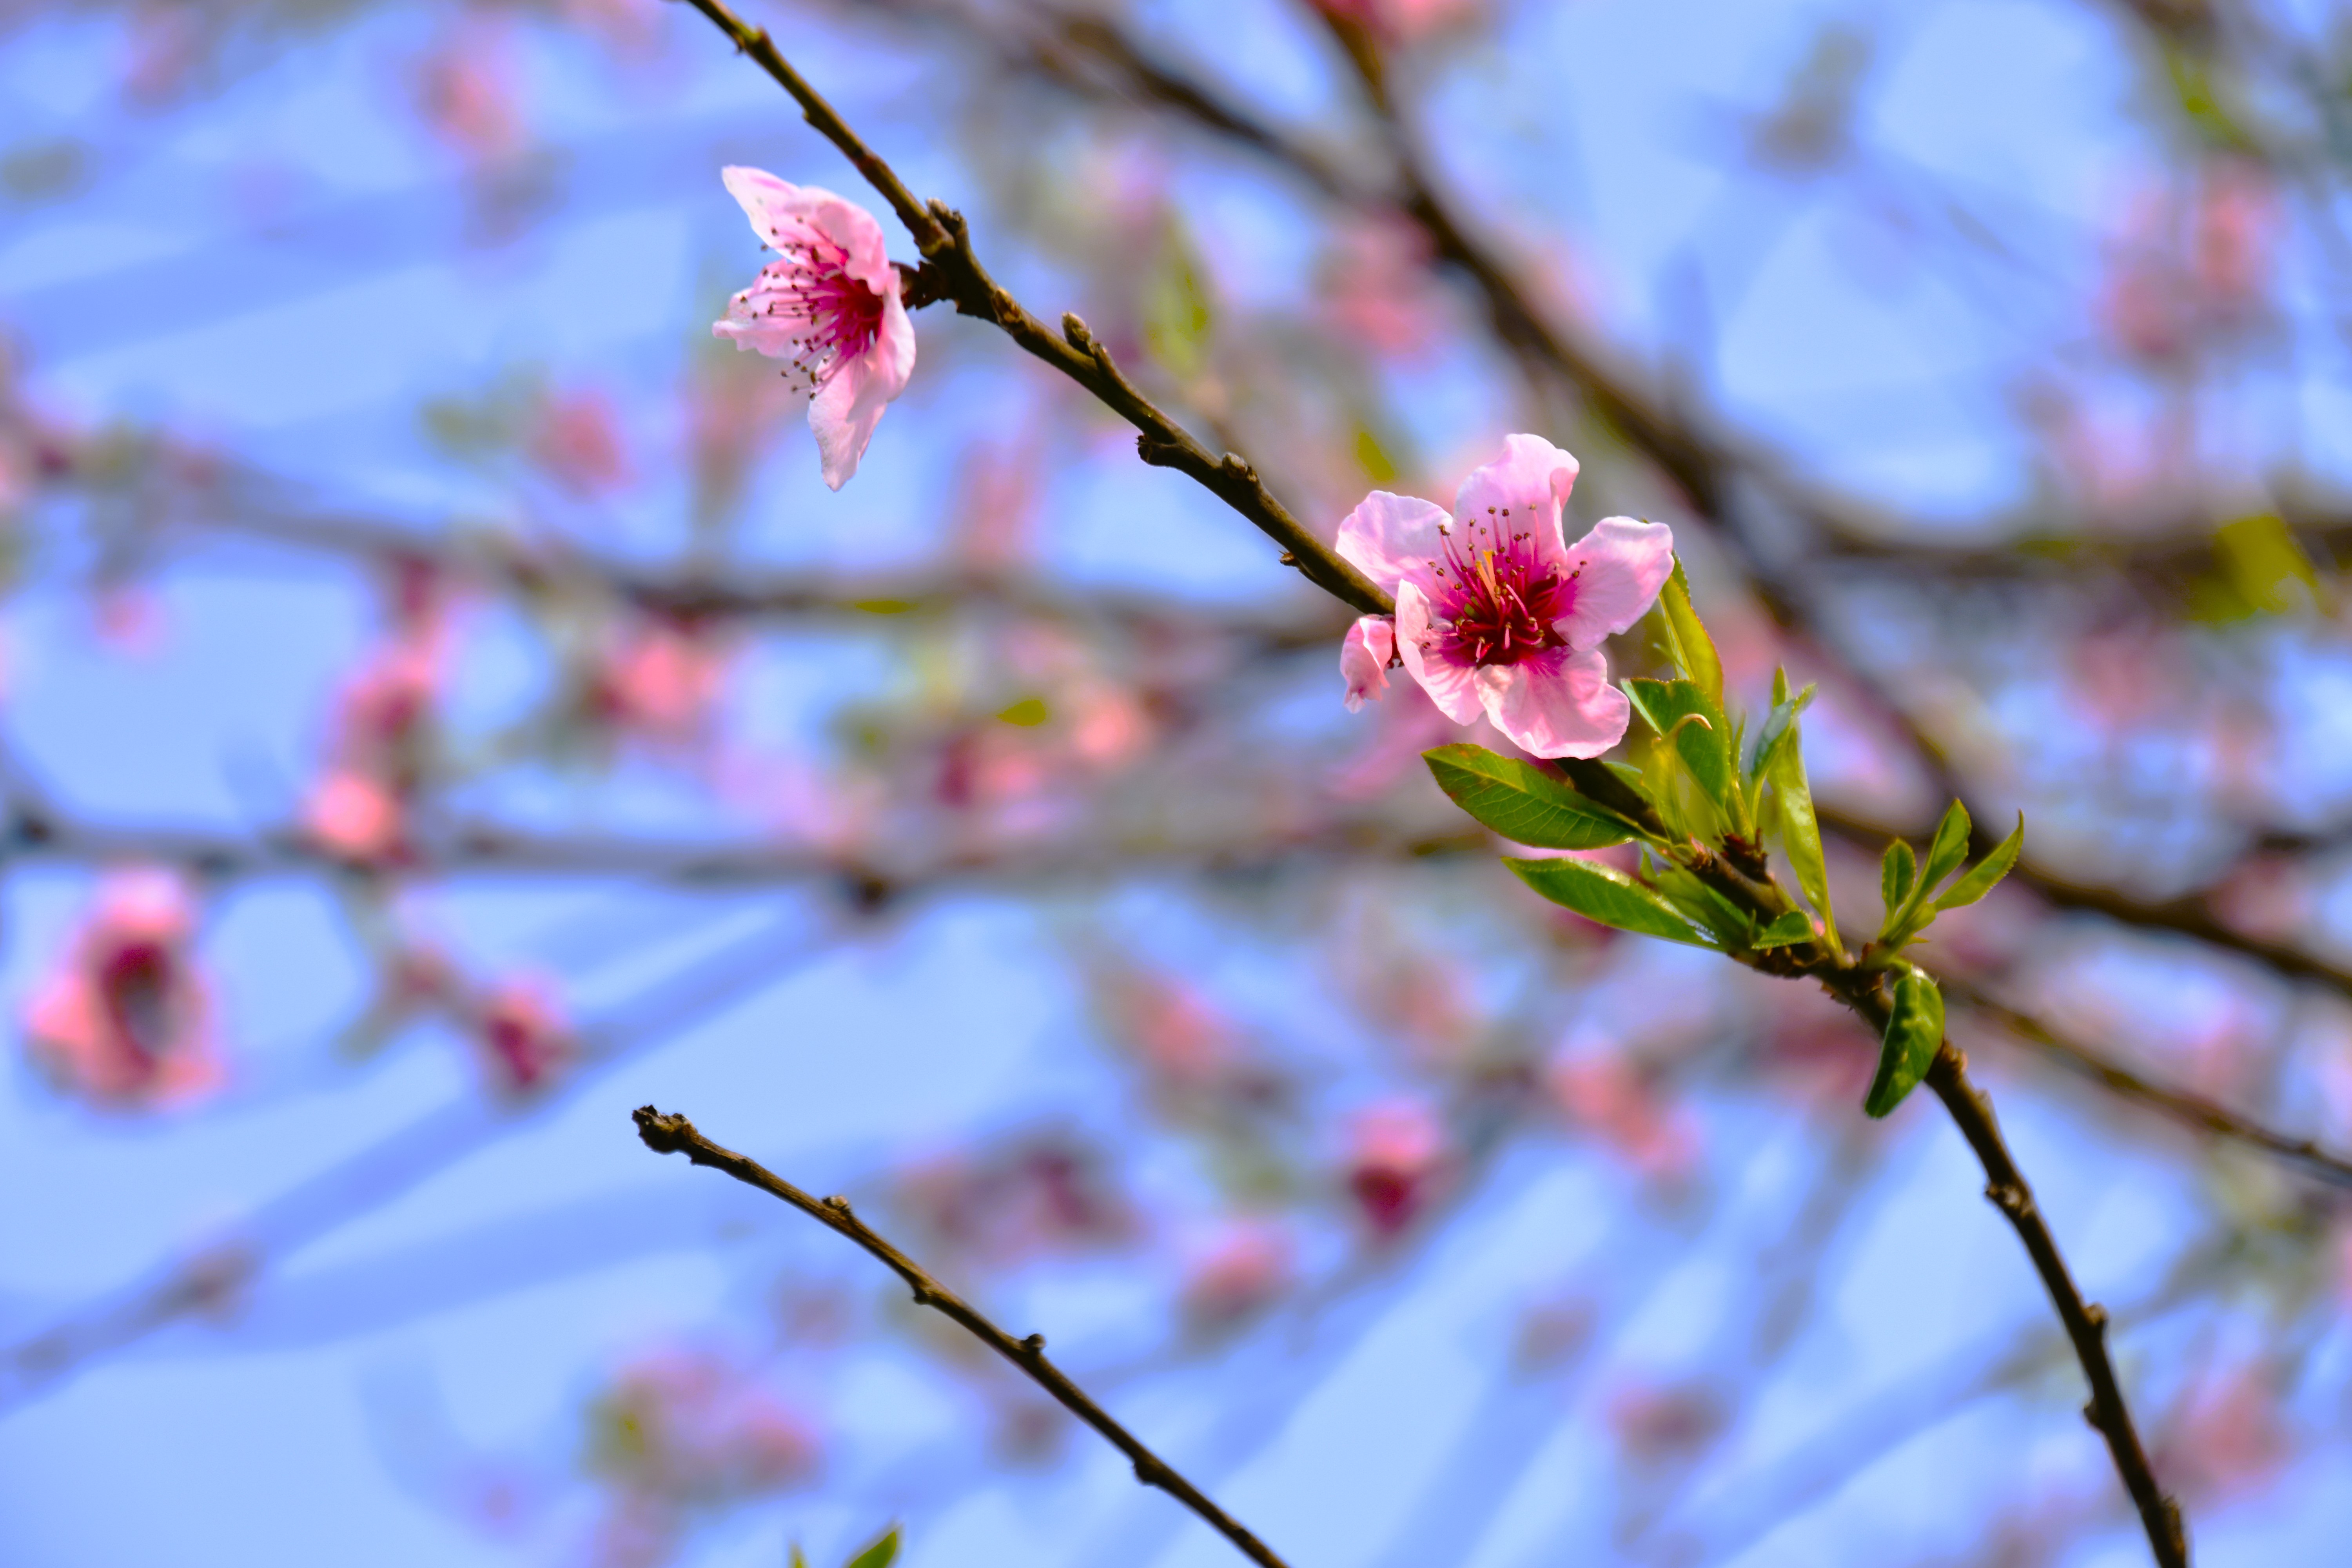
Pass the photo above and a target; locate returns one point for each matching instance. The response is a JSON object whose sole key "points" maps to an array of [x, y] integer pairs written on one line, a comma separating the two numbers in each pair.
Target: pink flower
{"points": [[353, 817], [1364, 659], [576, 441], [1396, 1156], [524, 1035], [123, 1022], [1239, 1275], [1496, 612], [830, 306]]}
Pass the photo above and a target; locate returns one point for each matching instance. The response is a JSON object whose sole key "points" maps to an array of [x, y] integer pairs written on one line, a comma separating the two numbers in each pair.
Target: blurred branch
{"points": [[671, 1134], [210, 1277], [2192, 1109]]}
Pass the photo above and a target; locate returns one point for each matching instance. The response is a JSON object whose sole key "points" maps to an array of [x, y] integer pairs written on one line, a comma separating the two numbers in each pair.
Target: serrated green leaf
{"points": [[1522, 802], [1607, 896], [1779, 724], [1786, 931], [1695, 653], [1987, 873], [1949, 847], [881, 1555], [1915, 1028], [1897, 871], [1693, 721]]}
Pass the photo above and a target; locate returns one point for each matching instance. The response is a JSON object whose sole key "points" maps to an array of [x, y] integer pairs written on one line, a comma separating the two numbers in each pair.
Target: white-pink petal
{"points": [[1619, 567], [1364, 659], [1392, 539], [847, 407], [783, 213], [1557, 703], [1532, 475], [1451, 685]]}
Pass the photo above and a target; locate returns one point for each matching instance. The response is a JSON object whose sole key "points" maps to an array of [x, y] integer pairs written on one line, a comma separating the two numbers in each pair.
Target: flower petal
{"points": [[1392, 539], [1364, 659], [784, 215], [1619, 567], [1425, 650], [849, 405], [1531, 474], [1557, 703]]}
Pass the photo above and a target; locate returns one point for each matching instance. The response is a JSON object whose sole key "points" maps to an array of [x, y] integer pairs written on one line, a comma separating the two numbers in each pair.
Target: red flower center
{"points": [[1500, 601]]}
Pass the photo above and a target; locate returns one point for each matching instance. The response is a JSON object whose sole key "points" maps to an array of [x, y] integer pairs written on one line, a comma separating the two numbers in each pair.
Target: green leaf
{"points": [[1896, 872], [1786, 931], [1913, 1029], [1944, 854], [1987, 873], [1727, 925], [1801, 829], [1608, 897], [1679, 710], [1522, 802], [1695, 653], [881, 1555]]}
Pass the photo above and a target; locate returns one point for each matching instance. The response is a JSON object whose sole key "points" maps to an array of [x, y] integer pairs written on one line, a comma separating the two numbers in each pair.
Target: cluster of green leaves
{"points": [[1715, 786], [881, 1555]]}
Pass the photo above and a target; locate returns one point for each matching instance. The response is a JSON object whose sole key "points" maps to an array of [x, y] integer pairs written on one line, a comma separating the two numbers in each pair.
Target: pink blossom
{"points": [[576, 440], [1364, 659], [1375, 288], [353, 817], [1496, 613], [1396, 1155], [661, 680], [1239, 1275], [830, 306], [685, 1426], [466, 91], [523, 1036], [124, 1020], [1608, 1095], [1398, 21]]}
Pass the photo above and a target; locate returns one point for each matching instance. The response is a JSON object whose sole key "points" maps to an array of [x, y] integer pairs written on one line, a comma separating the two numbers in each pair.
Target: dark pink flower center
{"points": [[842, 316], [1498, 599]]}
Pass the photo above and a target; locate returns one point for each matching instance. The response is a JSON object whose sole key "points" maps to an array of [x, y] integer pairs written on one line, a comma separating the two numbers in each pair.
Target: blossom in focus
{"points": [[1395, 1157], [830, 305], [124, 1021], [1496, 613]]}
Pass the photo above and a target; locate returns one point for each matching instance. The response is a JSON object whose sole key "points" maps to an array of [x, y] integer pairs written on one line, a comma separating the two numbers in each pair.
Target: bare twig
{"points": [[669, 1134]]}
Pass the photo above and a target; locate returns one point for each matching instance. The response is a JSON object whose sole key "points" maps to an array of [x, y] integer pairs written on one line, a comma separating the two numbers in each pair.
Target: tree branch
{"points": [[667, 1134], [945, 242]]}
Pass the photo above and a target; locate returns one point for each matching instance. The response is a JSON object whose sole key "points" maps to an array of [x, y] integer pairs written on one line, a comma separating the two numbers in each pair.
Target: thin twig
{"points": [[2085, 1322], [952, 271], [665, 1134]]}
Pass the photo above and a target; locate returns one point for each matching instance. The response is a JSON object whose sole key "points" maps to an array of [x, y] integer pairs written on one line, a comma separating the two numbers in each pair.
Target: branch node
{"points": [[2096, 1315], [1074, 328], [1158, 450], [838, 1205], [2008, 1197], [1288, 558], [1034, 1344], [1236, 465], [663, 1134]]}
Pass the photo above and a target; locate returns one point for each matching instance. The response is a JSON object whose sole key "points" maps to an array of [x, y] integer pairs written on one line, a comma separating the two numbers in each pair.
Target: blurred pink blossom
{"points": [[465, 90], [661, 680], [1396, 1158], [1375, 288], [1609, 1095], [691, 1428], [576, 441], [524, 1035], [1244, 1269], [124, 1020], [830, 306], [1657, 1422], [1400, 21], [1496, 614]]}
